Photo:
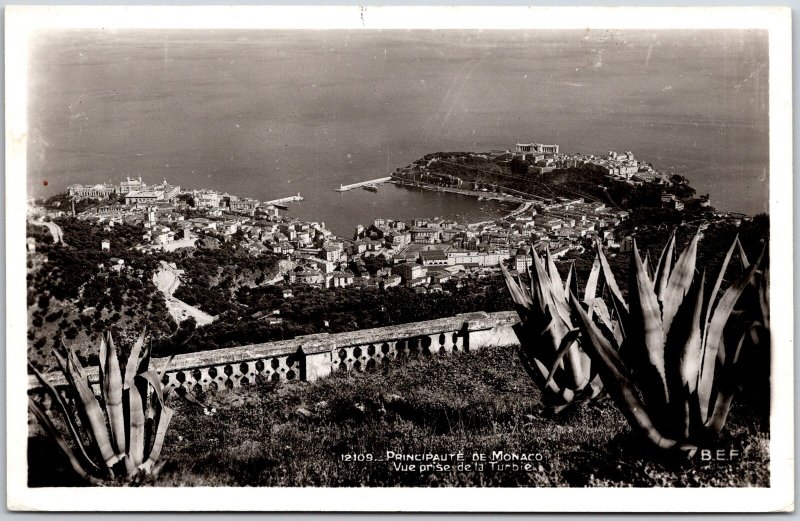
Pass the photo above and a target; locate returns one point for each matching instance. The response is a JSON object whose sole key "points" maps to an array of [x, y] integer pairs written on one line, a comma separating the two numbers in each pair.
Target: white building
{"points": [[535, 148]]}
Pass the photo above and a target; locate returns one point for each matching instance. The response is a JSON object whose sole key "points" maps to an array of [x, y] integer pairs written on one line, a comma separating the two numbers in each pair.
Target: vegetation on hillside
{"points": [[73, 291], [212, 276], [316, 310]]}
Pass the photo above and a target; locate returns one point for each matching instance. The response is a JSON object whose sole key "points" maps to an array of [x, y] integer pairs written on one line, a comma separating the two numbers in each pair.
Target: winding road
{"points": [[54, 229], [167, 281]]}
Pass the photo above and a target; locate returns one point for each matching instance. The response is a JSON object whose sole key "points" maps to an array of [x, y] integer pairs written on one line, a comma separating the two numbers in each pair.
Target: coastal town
{"points": [[423, 253]]}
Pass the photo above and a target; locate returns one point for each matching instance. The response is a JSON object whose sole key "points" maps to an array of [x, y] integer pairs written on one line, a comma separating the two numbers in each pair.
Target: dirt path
{"points": [[167, 280], [54, 229]]}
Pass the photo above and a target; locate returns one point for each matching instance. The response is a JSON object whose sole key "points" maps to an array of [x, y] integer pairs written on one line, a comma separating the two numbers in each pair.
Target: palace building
{"points": [[535, 148]]}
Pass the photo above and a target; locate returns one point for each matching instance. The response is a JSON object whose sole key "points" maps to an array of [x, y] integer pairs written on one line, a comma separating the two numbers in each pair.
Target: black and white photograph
{"points": [[285, 258]]}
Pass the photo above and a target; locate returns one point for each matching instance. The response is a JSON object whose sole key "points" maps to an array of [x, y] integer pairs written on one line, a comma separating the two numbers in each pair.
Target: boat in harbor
{"points": [[370, 188], [280, 206]]}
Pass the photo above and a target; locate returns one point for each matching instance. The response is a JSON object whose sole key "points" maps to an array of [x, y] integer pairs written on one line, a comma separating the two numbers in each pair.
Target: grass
{"points": [[295, 434]]}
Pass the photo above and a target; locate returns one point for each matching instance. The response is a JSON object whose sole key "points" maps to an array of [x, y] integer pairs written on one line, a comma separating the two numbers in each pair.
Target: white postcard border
{"points": [[23, 22]]}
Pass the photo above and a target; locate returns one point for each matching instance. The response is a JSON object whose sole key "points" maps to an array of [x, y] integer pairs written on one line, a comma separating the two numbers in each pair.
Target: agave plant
{"points": [[667, 366], [118, 436], [754, 320], [548, 339]]}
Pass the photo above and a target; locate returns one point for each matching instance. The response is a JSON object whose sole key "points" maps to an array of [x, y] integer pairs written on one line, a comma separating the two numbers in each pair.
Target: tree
{"points": [[518, 166], [186, 198]]}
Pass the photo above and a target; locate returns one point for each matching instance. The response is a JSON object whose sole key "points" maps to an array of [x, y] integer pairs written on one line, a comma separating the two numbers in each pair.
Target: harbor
{"points": [[481, 195]]}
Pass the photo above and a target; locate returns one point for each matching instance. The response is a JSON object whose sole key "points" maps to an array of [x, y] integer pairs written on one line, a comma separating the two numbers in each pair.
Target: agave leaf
{"points": [[647, 269], [713, 338], [52, 431], [154, 380], [696, 427], [526, 294], [536, 285], [664, 266], [742, 255], [576, 377], [647, 335], [598, 305], [591, 282], [101, 365], [112, 390], [595, 386], [763, 297], [712, 299], [717, 419], [548, 384], [683, 354], [570, 278], [90, 408], [617, 333], [679, 281], [616, 380], [728, 381], [556, 284], [566, 343], [137, 423], [164, 418], [622, 319], [63, 365], [611, 282], [762, 286], [535, 369], [516, 293], [529, 357], [549, 291], [164, 367], [132, 365], [147, 351], [541, 282], [691, 352], [151, 410], [67, 415]]}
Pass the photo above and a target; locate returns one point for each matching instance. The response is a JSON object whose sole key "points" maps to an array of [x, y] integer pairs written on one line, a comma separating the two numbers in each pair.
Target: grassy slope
{"points": [[478, 402]]}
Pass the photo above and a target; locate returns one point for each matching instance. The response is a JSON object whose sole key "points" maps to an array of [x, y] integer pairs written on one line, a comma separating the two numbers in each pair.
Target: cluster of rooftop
{"points": [[619, 166], [426, 253], [423, 253]]}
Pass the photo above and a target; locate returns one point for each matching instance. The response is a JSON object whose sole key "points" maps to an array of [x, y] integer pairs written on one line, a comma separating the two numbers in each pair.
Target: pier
{"points": [[347, 188], [290, 199]]}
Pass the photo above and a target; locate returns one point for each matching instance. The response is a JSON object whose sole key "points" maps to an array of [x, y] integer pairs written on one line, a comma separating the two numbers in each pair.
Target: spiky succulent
{"points": [[549, 349], [125, 429], [667, 365]]}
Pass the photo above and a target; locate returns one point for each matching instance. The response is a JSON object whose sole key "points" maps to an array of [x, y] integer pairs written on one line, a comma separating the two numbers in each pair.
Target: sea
{"points": [[269, 114]]}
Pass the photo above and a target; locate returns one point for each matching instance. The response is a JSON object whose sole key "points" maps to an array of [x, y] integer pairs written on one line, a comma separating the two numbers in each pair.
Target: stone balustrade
{"points": [[308, 358]]}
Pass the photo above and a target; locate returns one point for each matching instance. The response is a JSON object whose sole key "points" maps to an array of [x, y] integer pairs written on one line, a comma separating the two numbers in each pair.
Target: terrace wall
{"points": [[308, 358]]}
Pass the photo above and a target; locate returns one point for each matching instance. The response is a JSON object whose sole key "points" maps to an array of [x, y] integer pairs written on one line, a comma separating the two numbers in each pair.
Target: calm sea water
{"points": [[272, 113]]}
